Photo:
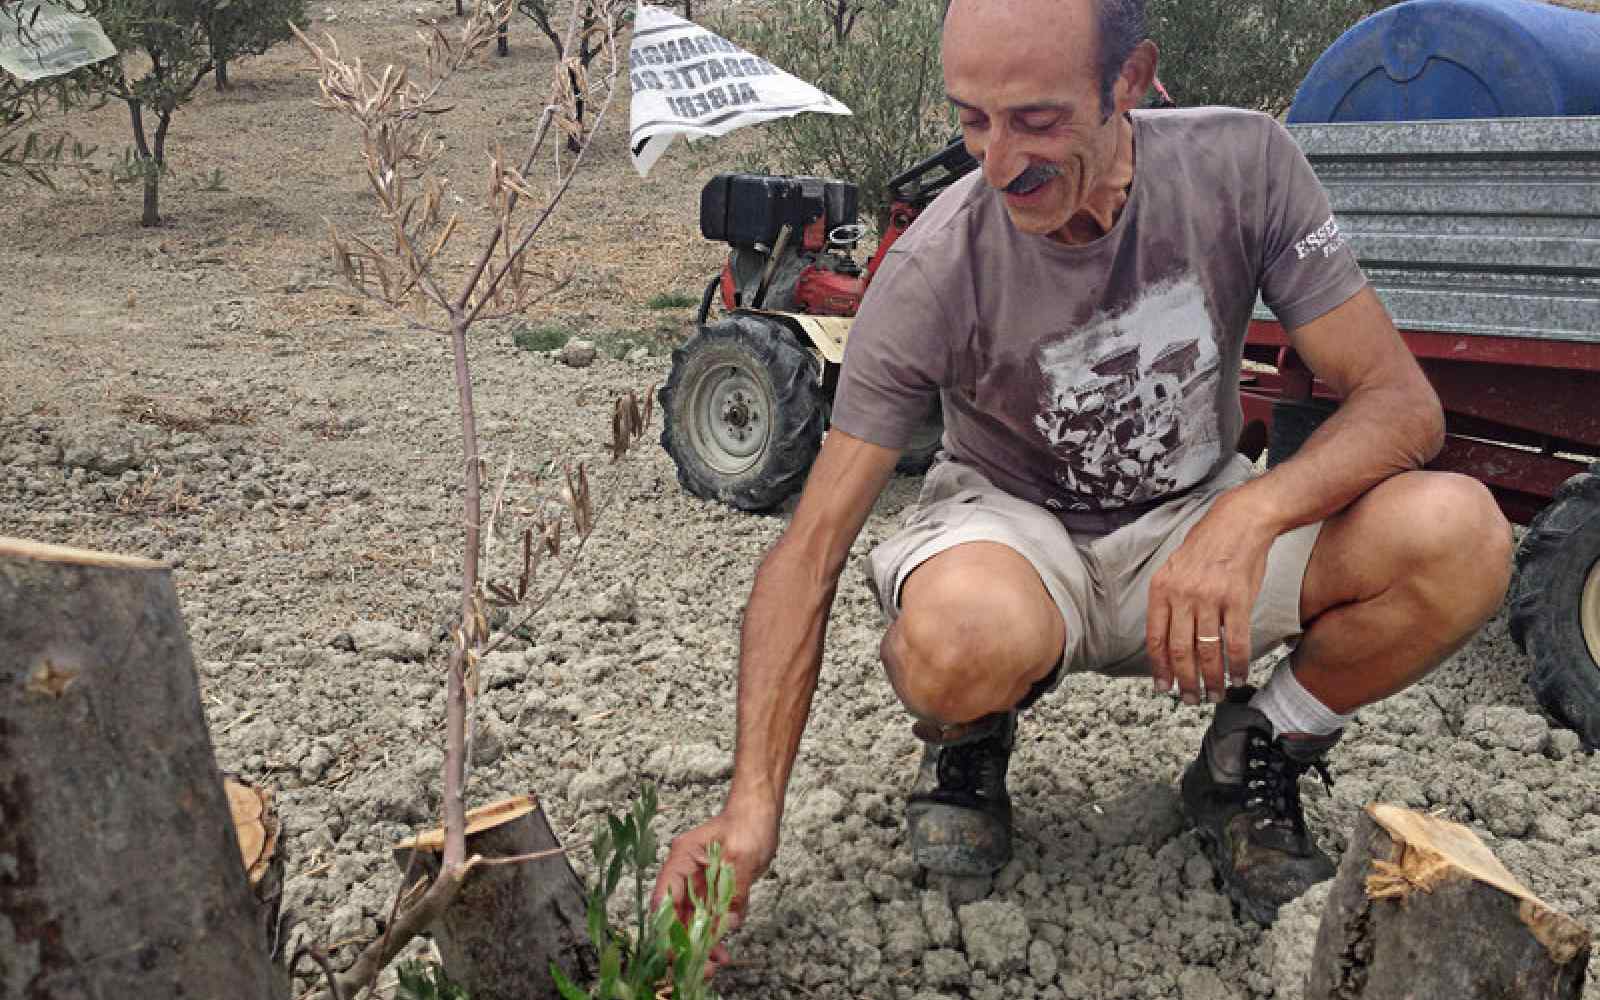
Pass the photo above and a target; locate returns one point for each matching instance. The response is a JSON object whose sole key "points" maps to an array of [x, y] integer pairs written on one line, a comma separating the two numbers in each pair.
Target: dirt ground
{"points": [[204, 393]]}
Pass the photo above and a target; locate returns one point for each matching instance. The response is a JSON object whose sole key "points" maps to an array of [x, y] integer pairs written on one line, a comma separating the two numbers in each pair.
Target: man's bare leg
{"points": [[976, 631], [1397, 582]]}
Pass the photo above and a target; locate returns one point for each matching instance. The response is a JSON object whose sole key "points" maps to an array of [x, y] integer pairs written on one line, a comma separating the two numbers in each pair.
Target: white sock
{"points": [[1292, 709]]}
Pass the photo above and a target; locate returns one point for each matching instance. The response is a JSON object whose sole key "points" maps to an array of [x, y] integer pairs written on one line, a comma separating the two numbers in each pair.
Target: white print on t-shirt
{"points": [[1327, 237], [1129, 405]]}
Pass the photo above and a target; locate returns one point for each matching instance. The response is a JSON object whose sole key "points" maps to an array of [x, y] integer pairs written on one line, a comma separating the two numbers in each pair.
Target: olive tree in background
{"points": [[881, 59], [585, 48], [1248, 55], [25, 150], [241, 28], [166, 50]]}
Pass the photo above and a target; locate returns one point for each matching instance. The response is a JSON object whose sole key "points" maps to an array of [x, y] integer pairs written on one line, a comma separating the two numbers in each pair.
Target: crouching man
{"points": [[1079, 306]]}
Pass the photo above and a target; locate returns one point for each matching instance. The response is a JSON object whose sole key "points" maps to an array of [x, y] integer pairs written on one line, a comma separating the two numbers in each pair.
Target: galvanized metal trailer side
{"points": [[1483, 238]]}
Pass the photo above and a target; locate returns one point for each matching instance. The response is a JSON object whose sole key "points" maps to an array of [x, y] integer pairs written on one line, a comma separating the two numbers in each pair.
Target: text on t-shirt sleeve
{"points": [[1308, 266]]}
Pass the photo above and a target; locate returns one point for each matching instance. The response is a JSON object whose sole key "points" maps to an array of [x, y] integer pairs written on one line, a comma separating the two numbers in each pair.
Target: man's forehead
{"points": [[1019, 52], [1069, 17]]}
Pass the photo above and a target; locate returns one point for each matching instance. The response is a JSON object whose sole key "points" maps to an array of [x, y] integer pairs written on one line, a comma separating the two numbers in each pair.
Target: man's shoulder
{"points": [[1213, 122], [1209, 156]]}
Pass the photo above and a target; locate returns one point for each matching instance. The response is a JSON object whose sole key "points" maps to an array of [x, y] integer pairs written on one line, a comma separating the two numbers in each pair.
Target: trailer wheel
{"points": [[743, 413], [919, 454], [1555, 604], [1293, 421]]}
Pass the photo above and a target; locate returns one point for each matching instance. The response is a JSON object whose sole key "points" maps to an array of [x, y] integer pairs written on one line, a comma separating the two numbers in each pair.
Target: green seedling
{"points": [[659, 949]]}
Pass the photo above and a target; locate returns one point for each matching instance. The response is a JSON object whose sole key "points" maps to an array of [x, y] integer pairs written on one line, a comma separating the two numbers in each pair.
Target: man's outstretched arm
{"points": [[780, 656]]}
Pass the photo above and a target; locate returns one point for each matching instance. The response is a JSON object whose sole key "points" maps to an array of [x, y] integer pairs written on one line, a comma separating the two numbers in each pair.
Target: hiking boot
{"points": [[959, 818], [1243, 795]]}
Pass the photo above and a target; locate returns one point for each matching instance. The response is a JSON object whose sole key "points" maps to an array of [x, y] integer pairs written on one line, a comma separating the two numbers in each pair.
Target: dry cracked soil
{"points": [[203, 393]]}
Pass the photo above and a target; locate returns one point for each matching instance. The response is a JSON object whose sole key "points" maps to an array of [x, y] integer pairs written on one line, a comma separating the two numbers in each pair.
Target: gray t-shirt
{"points": [[1105, 375]]}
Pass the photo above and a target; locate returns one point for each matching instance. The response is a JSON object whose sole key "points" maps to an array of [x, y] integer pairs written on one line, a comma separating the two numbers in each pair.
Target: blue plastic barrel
{"points": [[1457, 59]]}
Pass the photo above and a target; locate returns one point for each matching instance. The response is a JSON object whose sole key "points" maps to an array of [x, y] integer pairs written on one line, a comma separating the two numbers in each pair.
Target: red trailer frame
{"points": [[1520, 413]]}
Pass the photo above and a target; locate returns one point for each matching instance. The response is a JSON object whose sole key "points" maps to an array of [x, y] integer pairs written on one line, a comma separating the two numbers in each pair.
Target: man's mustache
{"points": [[1035, 175]]}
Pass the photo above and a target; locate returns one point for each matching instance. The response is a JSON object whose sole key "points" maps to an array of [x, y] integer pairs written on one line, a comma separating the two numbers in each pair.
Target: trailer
{"points": [[1479, 227]]}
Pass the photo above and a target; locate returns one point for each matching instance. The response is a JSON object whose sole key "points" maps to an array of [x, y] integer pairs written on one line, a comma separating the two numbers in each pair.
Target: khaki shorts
{"points": [[1100, 582]]}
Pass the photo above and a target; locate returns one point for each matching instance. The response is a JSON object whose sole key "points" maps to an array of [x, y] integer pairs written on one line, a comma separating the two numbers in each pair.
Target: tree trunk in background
{"points": [[510, 921], [1421, 908], [154, 168], [222, 73], [122, 871], [147, 163], [152, 199]]}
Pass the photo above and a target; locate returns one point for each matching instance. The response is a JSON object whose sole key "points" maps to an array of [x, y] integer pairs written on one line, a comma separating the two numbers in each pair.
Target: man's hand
{"points": [[1200, 600], [749, 843]]}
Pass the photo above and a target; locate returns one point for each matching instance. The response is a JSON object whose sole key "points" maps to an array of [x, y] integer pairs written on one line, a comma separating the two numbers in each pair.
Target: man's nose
{"points": [[1002, 160]]}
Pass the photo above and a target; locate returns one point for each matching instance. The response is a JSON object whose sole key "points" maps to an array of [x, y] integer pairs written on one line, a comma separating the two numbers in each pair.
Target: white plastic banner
{"points": [[689, 81], [43, 38]]}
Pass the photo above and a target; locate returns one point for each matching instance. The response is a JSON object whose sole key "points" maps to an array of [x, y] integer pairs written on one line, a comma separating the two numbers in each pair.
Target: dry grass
{"points": [[165, 414], [151, 495]]}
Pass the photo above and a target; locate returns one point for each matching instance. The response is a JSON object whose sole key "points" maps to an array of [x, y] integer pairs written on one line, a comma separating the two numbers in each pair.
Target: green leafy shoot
{"points": [[658, 949]]}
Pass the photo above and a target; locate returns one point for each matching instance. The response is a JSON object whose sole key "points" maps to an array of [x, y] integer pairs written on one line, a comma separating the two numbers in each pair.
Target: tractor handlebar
{"points": [[952, 162]]}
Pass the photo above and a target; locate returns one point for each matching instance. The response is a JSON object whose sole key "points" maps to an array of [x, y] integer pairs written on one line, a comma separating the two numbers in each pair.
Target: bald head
{"points": [[1097, 35]]}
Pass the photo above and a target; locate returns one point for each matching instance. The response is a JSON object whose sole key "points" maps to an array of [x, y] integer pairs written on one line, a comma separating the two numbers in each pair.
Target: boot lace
{"points": [[1272, 781]]}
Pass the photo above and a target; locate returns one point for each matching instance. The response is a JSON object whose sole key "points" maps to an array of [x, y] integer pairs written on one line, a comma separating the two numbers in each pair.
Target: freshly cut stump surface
{"points": [[120, 874], [259, 829], [1422, 909], [509, 921]]}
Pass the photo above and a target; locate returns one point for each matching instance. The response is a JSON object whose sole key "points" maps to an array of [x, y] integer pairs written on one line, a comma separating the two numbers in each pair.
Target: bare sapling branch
{"points": [[599, 25], [398, 149], [408, 270]]}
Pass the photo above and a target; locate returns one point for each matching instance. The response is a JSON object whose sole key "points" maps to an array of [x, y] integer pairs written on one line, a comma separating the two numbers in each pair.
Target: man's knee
{"points": [[1455, 518], [970, 640], [1453, 538]]}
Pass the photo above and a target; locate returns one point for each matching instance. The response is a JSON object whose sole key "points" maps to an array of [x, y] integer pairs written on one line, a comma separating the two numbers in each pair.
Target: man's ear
{"points": [[1137, 76]]}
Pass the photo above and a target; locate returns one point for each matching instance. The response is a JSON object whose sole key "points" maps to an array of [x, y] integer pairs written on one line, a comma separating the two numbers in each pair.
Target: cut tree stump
{"points": [[1421, 910], [509, 921], [259, 830], [120, 872]]}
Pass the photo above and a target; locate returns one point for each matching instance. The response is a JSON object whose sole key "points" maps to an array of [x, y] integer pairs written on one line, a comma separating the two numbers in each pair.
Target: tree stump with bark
{"points": [[1422, 909], [120, 873], [511, 918]]}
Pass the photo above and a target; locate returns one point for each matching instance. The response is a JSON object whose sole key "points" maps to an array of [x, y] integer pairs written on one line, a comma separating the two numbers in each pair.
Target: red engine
{"points": [[793, 237]]}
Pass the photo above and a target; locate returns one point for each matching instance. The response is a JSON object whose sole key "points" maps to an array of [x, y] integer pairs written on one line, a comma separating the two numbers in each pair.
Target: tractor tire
{"points": [[743, 412], [1555, 604], [924, 446], [1293, 421]]}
